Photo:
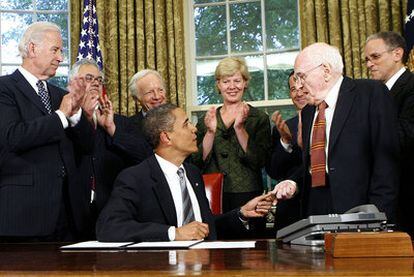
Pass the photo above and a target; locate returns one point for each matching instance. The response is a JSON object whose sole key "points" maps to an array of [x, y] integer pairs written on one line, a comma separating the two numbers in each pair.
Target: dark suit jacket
{"points": [[141, 207], [282, 165], [127, 147], [31, 181], [363, 148], [403, 94], [136, 121]]}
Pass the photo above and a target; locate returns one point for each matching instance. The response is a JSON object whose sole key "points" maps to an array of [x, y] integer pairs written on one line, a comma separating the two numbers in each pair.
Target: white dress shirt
{"points": [[170, 172], [390, 83], [331, 99]]}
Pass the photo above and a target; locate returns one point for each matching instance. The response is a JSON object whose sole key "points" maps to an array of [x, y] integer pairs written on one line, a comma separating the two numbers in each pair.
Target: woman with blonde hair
{"points": [[234, 138]]}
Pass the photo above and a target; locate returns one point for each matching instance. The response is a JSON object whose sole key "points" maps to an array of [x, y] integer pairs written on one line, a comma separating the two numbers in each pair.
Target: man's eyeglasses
{"points": [[301, 76], [376, 56], [89, 78]]}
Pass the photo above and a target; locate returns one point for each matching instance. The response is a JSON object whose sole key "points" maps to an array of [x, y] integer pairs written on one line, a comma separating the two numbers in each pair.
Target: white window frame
{"points": [[190, 58]]}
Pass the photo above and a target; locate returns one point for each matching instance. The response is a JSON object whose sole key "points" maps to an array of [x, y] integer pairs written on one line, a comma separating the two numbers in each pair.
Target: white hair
{"points": [[320, 53], [35, 33], [132, 86], [76, 67]]}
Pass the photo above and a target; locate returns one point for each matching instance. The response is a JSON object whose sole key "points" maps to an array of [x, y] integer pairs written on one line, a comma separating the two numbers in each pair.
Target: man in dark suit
{"points": [[350, 142], [147, 88], [163, 199], [115, 146], [41, 126], [286, 155], [385, 55]]}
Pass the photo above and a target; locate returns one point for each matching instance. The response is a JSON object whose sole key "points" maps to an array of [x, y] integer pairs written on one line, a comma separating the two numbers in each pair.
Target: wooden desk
{"points": [[268, 258]]}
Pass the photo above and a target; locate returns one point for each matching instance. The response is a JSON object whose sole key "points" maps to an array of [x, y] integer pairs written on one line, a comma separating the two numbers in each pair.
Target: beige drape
{"points": [[347, 23], [137, 34]]}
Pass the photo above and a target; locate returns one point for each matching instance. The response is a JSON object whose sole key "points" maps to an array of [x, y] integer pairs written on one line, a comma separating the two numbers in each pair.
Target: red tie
{"points": [[318, 158]]}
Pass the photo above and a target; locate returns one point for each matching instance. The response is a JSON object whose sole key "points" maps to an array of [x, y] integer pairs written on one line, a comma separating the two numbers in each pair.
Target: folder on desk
{"points": [[163, 244], [96, 245]]}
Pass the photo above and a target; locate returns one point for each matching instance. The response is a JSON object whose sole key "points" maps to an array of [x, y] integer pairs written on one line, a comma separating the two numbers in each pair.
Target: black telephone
{"points": [[310, 231]]}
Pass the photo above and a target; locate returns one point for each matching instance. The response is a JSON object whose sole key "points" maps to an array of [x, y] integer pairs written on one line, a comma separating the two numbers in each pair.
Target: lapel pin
{"points": [[196, 184]]}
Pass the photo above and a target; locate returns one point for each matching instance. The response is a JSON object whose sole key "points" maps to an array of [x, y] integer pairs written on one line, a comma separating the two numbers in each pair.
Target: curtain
{"points": [[137, 34], [347, 23]]}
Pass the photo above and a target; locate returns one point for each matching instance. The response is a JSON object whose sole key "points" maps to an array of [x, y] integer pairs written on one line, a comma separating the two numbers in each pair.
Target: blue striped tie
{"points": [[188, 213], [44, 96]]}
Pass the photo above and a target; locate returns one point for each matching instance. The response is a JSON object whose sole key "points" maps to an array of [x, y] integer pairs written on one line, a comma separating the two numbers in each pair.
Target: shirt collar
{"points": [[30, 78], [390, 83], [168, 167], [333, 93]]}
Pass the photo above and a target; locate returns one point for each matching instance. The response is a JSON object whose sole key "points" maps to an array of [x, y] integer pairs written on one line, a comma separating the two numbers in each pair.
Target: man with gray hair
{"points": [[385, 55], [42, 127], [163, 198], [147, 88], [350, 142], [115, 146]]}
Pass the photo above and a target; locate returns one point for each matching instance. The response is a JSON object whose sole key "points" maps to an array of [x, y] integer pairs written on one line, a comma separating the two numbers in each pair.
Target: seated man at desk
{"points": [[163, 198]]}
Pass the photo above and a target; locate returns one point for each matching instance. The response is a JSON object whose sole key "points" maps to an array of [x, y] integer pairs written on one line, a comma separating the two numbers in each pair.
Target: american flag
{"points": [[409, 32], [89, 37]]}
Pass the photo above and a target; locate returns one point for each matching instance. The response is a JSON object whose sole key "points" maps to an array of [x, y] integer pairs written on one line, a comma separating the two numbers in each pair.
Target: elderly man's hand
{"points": [[284, 190]]}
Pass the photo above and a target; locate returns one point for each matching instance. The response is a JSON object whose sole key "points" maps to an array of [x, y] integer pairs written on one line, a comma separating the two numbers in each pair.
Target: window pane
{"points": [[246, 27], [205, 1], [206, 83], [8, 69], [56, 5], [286, 111], [12, 28], [255, 90], [210, 30], [282, 24], [62, 21], [61, 77], [279, 67], [16, 4]]}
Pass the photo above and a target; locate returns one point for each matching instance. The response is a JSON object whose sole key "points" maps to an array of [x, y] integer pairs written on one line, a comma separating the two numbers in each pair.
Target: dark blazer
{"points": [[127, 147], [31, 180], [141, 207], [403, 94], [281, 165], [136, 121], [363, 148]]}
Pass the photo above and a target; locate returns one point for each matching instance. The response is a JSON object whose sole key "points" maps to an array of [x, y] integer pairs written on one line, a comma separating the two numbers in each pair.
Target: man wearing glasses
{"points": [[116, 147], [350, 143], [386, 55]]}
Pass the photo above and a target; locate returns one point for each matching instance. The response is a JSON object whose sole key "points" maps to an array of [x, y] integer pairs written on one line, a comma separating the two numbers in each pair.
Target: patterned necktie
{"points": [[188, 213], [318, 155], [44, 96]]}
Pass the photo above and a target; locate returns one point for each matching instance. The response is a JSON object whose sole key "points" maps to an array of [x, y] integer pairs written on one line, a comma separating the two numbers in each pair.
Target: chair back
{"points": [[213, 183]]}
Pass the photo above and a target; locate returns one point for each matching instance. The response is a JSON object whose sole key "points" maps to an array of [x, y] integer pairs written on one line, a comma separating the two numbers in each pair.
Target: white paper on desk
{"points": [[164, 244], [95, 245], [224, 244]]}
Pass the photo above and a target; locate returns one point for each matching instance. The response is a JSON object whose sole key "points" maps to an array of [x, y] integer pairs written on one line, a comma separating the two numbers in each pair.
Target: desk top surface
{"points": [[268, 257]]}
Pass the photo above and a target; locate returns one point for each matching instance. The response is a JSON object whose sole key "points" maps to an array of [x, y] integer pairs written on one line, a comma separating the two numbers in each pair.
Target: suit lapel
{"points": [[163, 192], [55, 97], [400, 83], [307, 119], [343, 107], [27, 90]]}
